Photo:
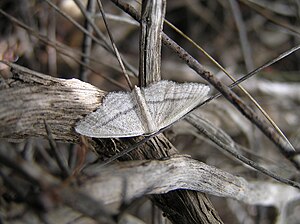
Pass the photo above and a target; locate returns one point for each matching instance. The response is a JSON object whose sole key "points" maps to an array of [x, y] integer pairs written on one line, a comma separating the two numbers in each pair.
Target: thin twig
{"points": [[60, 161], [267, 64], [270, 16], [129, 149], [104, 43], [67, 195], [285, 147], [52, 55], [81, 28], [87, 42], [64, 50], [246, 49], [234, 80], [203, 126], [100, 34], [114, 46]]}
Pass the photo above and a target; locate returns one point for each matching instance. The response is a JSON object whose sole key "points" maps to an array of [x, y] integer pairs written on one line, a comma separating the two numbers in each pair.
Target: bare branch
{"points": [[30, 98]]}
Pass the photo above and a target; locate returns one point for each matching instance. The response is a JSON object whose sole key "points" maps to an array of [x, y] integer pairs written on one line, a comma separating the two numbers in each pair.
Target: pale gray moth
{"points": [[143, 111]]}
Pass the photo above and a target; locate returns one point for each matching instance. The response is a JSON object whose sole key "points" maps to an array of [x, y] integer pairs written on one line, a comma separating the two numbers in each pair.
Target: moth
{"points": [[143, 111]]}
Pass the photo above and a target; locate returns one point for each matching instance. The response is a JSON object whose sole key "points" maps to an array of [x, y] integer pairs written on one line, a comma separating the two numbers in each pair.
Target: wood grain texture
{"points": [[162, 176], [28, 98], [152, 18]]}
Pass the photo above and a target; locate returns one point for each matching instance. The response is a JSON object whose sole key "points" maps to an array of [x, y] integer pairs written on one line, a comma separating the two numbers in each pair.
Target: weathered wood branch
{"points": [[28, 98], [162, 176], [176, 172], [94, 195], [152, 19]]}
